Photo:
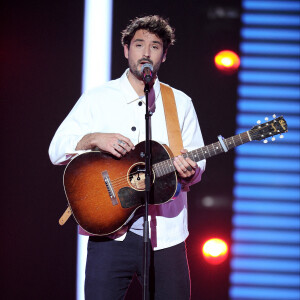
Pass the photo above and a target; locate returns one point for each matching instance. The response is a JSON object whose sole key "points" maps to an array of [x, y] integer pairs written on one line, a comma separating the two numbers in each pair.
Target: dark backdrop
{"points": [[41, 54], [41, 57]]}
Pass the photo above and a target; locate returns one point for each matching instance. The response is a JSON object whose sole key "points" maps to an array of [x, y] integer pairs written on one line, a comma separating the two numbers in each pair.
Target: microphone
{"points": [[147, 71]]}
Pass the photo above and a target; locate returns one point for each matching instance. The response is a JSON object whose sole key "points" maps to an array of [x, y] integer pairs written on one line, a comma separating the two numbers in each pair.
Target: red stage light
{"points": [[215, 251], [227, 61]]}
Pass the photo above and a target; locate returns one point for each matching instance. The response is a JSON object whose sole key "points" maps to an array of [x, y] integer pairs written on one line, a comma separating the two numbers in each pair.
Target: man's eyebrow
{"points": [[141, 40], [138, 40]]}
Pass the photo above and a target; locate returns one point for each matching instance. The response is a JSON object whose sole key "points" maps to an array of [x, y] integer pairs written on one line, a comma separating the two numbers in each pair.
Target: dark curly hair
{"points": [[154, 24]]}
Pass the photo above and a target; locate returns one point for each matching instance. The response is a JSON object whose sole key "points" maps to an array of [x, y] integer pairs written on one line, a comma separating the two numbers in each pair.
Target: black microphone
{"points": [[147, 71]]}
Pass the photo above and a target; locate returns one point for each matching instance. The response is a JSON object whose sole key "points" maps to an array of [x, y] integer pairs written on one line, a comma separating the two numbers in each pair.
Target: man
{"points": [[112, 118]]}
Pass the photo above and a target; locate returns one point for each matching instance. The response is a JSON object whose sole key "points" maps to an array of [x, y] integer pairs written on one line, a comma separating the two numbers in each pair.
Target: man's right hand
{"points": [[113, 143]]}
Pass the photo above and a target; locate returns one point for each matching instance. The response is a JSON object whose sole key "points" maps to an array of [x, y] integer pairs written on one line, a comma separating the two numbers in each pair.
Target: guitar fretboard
{"points": [[167, 166]]}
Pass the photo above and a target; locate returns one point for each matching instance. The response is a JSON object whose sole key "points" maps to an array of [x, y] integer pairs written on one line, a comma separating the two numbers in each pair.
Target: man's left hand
{"points": [[185, 166]]}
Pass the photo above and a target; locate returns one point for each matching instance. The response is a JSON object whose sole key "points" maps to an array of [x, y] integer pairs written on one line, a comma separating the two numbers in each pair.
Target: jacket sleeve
{"points": [[192, 139], [70, 132]]}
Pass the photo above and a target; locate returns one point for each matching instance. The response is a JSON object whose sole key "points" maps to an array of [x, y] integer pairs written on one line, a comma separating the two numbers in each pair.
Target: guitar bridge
{"points": [[109, 188]]}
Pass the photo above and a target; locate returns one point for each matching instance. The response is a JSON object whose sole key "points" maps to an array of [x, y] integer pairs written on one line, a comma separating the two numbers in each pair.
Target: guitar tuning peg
{"points": [[266, 118], [281, 136], [273, 139], [274, 116], [258, 121], [265, 141]]}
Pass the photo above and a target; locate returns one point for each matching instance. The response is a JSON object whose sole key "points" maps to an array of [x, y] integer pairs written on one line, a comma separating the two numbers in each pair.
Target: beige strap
{"points": [[172, 122], [66, 215]]}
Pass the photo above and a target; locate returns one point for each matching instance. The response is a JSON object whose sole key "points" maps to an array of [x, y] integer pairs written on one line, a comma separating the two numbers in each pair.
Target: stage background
{"points": [[41, 62]]}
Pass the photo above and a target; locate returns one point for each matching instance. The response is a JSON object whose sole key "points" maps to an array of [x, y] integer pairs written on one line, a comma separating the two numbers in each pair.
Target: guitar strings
{"points": [[121, 180], [155, 167]]}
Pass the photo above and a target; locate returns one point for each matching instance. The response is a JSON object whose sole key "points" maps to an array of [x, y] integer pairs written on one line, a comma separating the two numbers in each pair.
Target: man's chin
{"points": [[138, 75]]}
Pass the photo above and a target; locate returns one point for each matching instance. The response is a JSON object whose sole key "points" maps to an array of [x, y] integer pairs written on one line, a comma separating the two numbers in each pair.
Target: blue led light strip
{"points": [[266, 224]]}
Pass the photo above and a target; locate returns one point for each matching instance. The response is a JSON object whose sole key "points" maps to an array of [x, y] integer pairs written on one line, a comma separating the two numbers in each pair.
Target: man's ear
{"points": [[164, 56], [126, 50]]}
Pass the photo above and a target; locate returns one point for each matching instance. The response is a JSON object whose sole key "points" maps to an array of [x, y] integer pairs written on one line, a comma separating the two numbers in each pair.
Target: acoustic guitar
{"points": [[104, 191]]}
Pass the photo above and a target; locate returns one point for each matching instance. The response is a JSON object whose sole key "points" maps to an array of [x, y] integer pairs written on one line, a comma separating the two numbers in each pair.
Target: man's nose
{"points": [[147, 52]]}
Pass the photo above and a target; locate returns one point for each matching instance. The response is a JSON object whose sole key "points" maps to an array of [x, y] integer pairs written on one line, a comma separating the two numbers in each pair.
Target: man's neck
{"points": [[137, 84]]}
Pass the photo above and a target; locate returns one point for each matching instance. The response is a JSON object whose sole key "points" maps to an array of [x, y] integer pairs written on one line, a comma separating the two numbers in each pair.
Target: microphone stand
{"points": [[146, 257]]}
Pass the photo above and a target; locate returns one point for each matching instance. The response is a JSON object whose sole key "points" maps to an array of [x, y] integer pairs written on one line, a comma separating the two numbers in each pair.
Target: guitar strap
{"points": [[172, 122], [66, 215], [173, 129]]}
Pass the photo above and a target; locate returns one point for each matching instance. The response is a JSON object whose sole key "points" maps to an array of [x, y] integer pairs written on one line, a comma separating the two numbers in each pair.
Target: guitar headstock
{"points": [[268, 129]]}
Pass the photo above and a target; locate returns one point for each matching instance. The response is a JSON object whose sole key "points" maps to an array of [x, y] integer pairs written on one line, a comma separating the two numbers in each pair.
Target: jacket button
{"points": [[140, 103], [133, 128]]}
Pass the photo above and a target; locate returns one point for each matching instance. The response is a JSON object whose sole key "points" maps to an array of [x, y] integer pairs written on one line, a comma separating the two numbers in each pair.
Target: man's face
{"points": [[145, 47]]}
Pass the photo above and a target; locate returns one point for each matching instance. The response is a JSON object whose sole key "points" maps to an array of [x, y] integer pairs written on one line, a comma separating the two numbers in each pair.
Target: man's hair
{"points": [[154, 24]]}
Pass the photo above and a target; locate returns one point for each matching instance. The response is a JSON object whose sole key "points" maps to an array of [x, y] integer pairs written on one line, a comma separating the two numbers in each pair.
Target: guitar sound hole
{"points": [[137, 176]]}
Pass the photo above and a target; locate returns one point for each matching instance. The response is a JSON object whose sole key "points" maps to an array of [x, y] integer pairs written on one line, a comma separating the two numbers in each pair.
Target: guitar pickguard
{"points": [[130, 198]]}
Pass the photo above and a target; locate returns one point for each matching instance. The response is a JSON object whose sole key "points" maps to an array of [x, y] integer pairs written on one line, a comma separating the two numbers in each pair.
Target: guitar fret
{"points": [[190, 155], [199, 154], [156, 170], [234, 141], [170, 165], [237, 140], [161, 166], [164, 167], [165, 171], [218, 147], [213, 148], [160, 171], [204, 152], [221, 147], [246, 137], [196, 155], [228, 144], [240, 138]]}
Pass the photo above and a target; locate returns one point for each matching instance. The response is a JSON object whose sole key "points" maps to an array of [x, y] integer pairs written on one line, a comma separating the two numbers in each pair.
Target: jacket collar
{"points": [[128, 91]]}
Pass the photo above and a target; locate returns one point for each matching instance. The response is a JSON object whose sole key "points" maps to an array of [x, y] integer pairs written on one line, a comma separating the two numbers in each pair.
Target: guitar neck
{"points": [[167, 166]]}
